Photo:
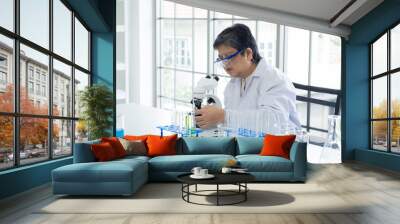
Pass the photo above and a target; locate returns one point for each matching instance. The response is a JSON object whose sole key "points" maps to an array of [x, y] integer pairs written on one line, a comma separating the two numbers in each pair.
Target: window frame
{"points": [[388, 74], [16, 115]]}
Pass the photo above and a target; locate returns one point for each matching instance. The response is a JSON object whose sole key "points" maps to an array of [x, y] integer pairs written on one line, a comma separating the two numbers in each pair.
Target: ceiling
{"points": [[318, 9]]}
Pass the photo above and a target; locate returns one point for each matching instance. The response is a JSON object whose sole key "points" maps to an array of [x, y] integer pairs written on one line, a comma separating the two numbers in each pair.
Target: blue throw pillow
{"points": [[249, 145]]}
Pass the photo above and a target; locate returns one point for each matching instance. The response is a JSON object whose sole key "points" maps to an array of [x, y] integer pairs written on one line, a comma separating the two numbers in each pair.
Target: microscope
{"points": [[203, 93]]}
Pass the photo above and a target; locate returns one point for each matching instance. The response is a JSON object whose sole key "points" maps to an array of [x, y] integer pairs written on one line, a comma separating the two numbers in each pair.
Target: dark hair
{"points": [[239, 37]]}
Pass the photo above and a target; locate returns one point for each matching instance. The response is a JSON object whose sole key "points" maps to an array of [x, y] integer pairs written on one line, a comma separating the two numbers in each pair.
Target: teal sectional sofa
{"points": [[125, 176]]}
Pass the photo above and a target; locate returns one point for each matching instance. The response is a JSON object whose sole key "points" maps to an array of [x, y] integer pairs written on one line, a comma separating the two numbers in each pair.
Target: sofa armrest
{"points": [[83, 152], [298, 155]]}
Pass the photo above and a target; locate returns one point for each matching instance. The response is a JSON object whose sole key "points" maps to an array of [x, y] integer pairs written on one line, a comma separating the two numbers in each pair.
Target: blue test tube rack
{"points": [[182, 132]]}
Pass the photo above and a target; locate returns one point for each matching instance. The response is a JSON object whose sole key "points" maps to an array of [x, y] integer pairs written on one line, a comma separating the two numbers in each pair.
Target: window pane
{"points": [[167, 103], [6, 142], [6, 74], [167, 83], [200, 13], [222, 15], [81, 45], [183, 11], [319, 116], [395, 95], [379, 55], [81, 131], [301, 92], [167, 43], [220, 25], [33, 139], [325, 61], [395, 47], [35, 21], [181, 106], [395, 138], [167, 9], [267, 41], [62, 29], [379, 98], [62, 138], [62, 89], [7, 14], [324, 96], [183, 86], [379, 135], [302, 111], [297, 54], [81, 82], [34, 96], [183, 44], [201, 47]]}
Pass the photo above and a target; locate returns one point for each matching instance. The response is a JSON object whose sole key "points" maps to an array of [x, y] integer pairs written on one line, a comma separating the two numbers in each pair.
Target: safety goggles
{"points": [[224, 62]]}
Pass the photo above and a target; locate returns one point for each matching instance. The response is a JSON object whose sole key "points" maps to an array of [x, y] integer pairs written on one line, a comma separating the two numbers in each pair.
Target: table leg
{"points": [[217, 194], [196, 188], [188, 190], [245, 193]]}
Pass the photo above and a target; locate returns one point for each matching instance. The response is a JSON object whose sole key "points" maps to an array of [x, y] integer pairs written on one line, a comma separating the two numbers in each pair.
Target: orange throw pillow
{"points": [[136, 138], [103, 152], [161, 146], [277, 145], [116, 145]]}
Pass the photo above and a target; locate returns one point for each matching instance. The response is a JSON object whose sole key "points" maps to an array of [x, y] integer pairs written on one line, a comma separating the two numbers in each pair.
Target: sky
{"points": [[35, 27]]}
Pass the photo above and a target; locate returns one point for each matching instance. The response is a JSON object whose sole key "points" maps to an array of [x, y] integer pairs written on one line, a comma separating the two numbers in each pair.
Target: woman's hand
{"points": [[209, 116]]}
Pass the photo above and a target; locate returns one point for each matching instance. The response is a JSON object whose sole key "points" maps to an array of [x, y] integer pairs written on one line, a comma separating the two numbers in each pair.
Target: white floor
{"points": [[318, 154]]}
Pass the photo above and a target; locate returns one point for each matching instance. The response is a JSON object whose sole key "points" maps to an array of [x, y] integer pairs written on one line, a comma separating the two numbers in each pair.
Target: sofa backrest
{"points": [[83, 152], [246, 145], [206, 145]]}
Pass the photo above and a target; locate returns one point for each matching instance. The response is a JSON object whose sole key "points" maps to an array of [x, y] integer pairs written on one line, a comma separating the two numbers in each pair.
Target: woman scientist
{"points": [[255, 86]]}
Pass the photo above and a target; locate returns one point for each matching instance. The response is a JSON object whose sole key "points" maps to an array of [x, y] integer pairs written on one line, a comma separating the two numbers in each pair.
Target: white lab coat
{"points": [[268, 100]]}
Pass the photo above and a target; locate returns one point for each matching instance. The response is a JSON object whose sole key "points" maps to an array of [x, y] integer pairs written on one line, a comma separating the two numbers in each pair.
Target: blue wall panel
{"points": [[24, 178], [103, 63], [356, 112]]}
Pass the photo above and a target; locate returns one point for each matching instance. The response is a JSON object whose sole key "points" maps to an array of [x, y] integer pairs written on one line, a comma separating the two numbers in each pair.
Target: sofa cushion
{"points": [[246, 145], [277, 145], [161, 145], [103, 152], [116, 145], [208, 145], [135, 147], [185, 163], [257, 163], [112, 171]]}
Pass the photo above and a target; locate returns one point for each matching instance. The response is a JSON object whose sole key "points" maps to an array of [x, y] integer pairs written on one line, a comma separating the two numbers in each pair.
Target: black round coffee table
{"points": [[238, 179]]}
